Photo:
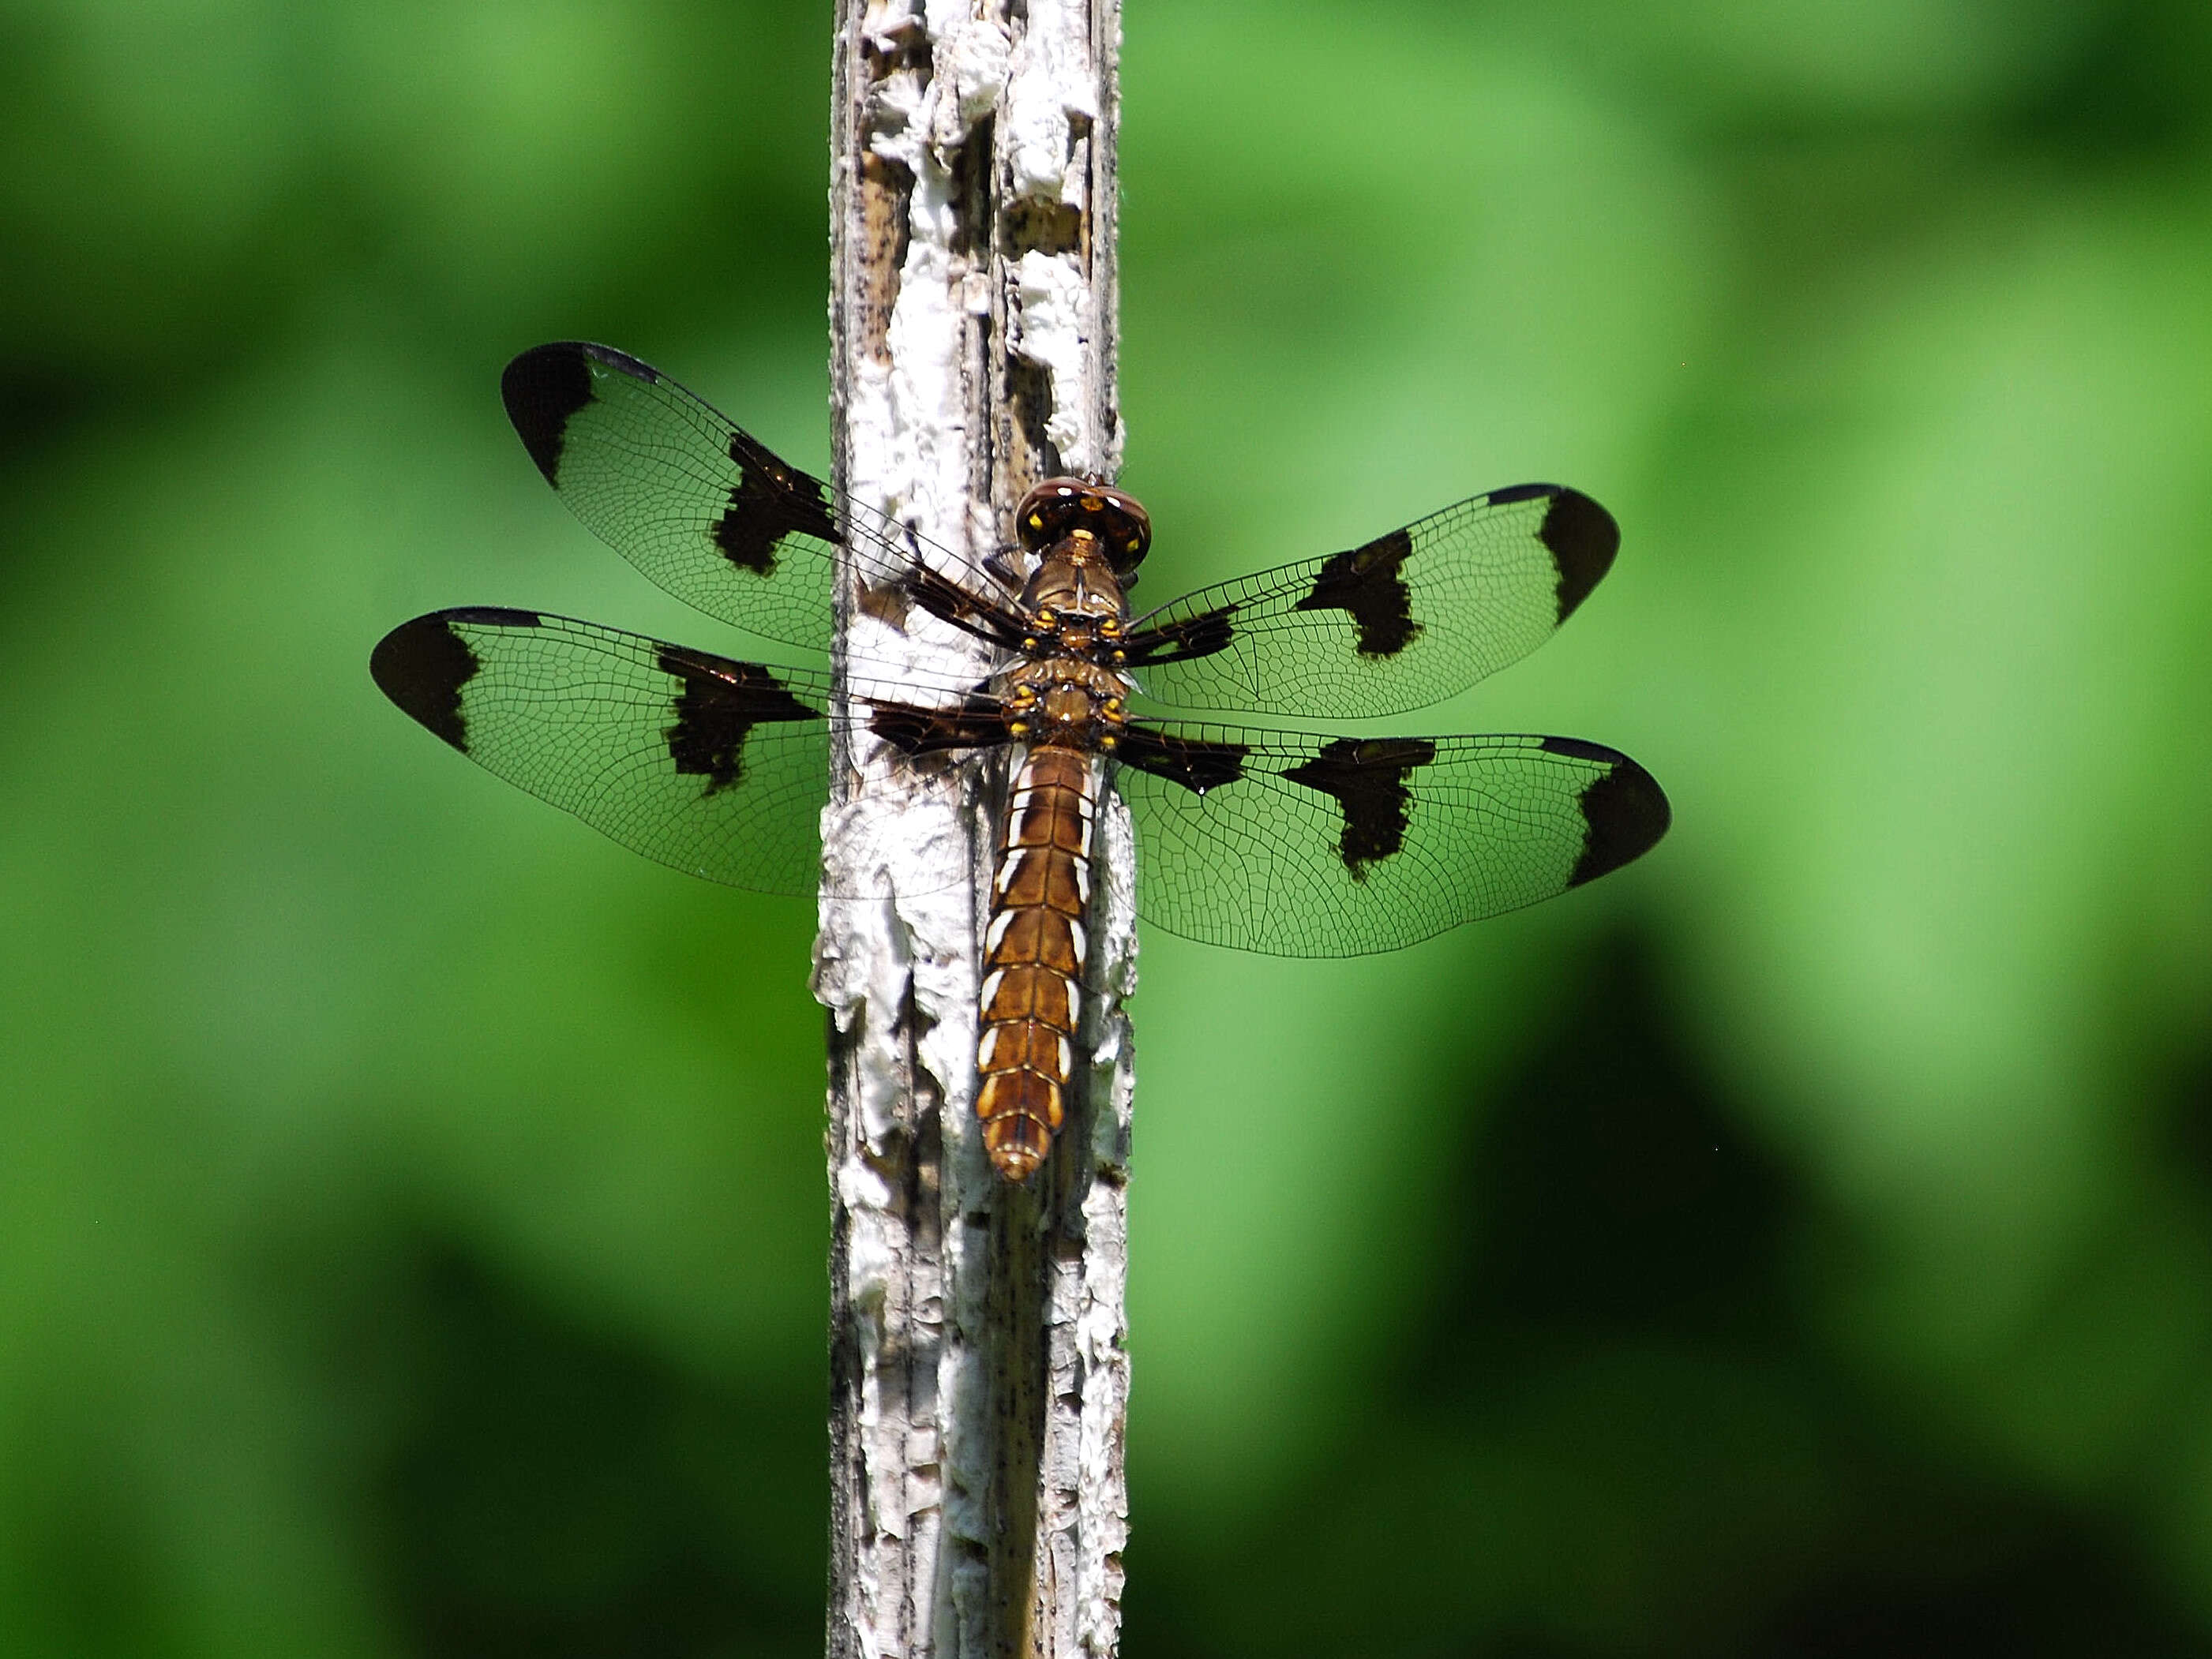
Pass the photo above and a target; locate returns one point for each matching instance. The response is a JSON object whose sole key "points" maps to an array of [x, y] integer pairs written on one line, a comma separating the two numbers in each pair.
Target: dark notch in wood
{"points": [[720, 703], [1197, 763], [1368, 776], [889, 603], [770, 501], [1032, 225], [1020, 431], [1366, 584], [1201, 635], [968, 181], [543, 389], [1625, 812], [904, 46], [1029, 405], [423, 665]]}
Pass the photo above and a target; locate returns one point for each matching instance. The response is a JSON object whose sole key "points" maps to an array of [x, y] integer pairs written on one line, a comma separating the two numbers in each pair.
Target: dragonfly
{"points": [[1292, 842]]}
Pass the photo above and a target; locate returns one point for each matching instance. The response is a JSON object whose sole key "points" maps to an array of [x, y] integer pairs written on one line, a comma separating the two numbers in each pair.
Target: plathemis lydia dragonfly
{"points": [[1291, 842]]}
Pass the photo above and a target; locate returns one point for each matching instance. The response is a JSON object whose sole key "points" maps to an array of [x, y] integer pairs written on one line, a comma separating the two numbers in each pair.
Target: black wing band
{"points": [[1404, 620], [701, 506], [1300, 844], [714, 767]]}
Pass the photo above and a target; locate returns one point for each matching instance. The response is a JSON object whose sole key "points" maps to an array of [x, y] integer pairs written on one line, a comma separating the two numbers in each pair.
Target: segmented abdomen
{"points": [[1033, 956]]}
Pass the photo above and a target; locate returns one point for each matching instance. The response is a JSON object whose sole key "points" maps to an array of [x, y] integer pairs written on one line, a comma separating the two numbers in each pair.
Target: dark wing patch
{"points": [[1583, 539], [915, 730], [423, 666], [1407, 619], [980, 614], [1366, 584], [698, 504], [542, 389], [720, 703], [1179, 641], [1624, 812], [1368, 776], [770, 501], [1320, 845], [1197, 763], [1581, 536]]}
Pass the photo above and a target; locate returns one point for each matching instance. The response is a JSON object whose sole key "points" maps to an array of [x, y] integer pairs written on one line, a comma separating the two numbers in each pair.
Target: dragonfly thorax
{"points": [[1066, 703], [1072, 606]]}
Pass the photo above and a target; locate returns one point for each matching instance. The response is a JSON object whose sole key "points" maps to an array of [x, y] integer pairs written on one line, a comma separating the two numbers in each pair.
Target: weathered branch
{"points": [[979, 1378]]}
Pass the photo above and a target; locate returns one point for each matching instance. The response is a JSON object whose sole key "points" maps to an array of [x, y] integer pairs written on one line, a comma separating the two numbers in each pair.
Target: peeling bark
{"points": [[979, 1374]]}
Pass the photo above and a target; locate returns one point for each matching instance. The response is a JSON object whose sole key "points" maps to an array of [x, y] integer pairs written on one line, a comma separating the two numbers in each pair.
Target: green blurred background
{"points": [[411, 1219]]}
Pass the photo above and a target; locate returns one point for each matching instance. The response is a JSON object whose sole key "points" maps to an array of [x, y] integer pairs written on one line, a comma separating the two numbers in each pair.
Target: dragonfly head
{"points": [[1058, 507]]}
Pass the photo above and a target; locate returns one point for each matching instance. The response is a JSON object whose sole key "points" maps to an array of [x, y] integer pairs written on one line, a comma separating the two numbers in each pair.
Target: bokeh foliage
{"points": [[411, 1225]]}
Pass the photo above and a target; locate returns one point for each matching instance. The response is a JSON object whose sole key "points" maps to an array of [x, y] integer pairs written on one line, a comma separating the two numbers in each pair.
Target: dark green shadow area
{"points": [[550, 1491], [1611, 1409]]}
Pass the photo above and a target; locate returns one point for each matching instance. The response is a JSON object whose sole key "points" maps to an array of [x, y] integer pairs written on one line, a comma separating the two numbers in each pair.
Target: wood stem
{"points": [[978, 1368]]}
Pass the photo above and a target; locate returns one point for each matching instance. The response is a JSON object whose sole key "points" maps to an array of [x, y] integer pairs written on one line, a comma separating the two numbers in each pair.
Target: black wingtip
{"points": [[544, 387], [421, 665], [1583, 539], [1528, 492], [1625, 812]]}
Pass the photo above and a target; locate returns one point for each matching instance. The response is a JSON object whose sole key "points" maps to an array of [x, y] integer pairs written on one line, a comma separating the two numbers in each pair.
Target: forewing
{"points": [[1403, 621], [715, 766], [695, 502], [1299, 844]]}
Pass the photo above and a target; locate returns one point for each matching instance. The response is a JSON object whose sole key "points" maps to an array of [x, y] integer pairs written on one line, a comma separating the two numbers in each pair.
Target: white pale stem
{"points": [[979, 1374]]}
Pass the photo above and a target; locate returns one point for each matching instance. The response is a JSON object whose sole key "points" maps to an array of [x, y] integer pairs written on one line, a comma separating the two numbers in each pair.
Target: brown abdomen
{"points": [[1033, 955]]}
